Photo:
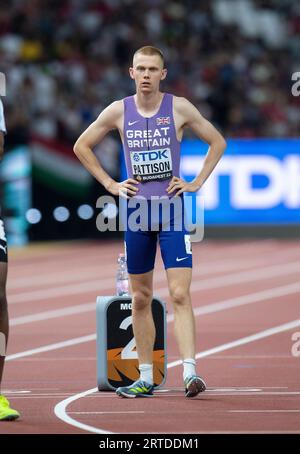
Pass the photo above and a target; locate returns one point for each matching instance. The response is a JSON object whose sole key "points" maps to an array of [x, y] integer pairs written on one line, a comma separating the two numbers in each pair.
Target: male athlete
{"points": [[6, 413], [151, 125]]}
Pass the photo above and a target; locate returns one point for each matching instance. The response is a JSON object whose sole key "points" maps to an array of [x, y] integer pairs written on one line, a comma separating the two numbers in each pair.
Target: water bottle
{"points": [[122, 277]]}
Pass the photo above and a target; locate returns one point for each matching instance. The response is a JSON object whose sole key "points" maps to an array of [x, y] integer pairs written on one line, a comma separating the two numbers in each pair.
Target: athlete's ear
{"points": [[163, 74], [131, 73]]}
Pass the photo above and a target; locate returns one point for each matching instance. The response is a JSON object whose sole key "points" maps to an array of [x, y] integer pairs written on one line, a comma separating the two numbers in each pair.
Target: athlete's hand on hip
{"points": [[125, 188], [179, 185]]}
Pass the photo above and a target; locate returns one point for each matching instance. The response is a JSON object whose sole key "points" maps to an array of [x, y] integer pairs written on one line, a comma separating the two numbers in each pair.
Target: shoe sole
{"points": [[10, 418], [130, 396], [196, 386]]}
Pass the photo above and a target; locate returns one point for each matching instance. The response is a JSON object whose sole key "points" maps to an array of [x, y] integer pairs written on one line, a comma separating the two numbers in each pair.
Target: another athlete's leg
{"points": [[3, 317], [6, 413]]}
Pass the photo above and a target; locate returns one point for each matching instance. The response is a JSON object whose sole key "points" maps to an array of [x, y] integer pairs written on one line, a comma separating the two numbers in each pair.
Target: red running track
{"points": [[246, 297]]}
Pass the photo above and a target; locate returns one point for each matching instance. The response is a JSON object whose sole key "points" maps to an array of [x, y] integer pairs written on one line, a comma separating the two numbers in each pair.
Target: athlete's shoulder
{"points": [[180, 102], [184, 109], [116, 107], [113, 111]]}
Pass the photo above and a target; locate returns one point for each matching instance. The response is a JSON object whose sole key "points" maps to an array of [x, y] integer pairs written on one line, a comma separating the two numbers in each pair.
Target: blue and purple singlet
{"points": [[152, 156], [152, 151]]}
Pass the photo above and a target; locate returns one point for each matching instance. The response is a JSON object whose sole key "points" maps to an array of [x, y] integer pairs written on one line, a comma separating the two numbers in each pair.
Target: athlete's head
{"points": [[148, 69]]}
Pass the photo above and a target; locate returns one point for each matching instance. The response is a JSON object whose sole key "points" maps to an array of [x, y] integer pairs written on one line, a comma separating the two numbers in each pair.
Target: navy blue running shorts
{"points": [[155, 222]]}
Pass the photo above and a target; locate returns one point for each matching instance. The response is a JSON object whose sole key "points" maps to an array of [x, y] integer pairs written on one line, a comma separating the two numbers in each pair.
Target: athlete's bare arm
{"points": [[186, 115], [109, 119], [1, 144]]}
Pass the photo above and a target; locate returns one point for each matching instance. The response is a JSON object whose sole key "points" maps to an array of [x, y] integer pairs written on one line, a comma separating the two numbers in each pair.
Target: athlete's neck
{"points": [[148, 103]]}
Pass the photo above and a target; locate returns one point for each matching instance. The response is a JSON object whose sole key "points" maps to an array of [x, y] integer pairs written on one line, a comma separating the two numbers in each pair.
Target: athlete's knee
{"points": [[141, 298], [179, 296]]}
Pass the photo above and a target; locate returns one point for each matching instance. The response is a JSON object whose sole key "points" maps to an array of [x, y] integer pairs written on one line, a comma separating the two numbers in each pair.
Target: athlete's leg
{"points": [[177, 257], [3, 317], [6, 413], [140, 252], [142, 319], [144, 332], [179, 282]]}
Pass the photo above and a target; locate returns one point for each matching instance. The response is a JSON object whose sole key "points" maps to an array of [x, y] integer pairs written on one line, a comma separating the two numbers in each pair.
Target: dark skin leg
{"points": [[3, 311]]}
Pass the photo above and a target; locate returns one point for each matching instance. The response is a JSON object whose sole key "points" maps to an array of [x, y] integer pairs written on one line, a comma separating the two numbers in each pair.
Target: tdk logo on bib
{"points": [[144, 156], [151, 165]]}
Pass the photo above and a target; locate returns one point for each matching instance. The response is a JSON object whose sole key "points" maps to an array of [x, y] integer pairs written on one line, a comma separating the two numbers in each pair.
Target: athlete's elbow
{"points": [[77, 148], [222, 145]]}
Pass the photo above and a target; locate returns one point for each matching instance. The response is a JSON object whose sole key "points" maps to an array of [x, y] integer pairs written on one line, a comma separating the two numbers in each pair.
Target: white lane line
{"points": [[262, 393], [38, 394], [207, 309], [149, 412], [50, 347], [216, 390], [60, 412], [61, 408], [47, 315], [54, 278], [237, 389], [27, 263], [250, 298], [105, 412], [235, 394], [215, 282], [56, 359], [263, 411], [246, 276], [40, 397], [229, 357], [244, 340], [7, 391], [63, 290]]}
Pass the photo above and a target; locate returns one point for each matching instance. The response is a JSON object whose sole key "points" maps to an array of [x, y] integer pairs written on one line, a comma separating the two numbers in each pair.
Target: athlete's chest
{"points": [[150, 144], [138, 131]]}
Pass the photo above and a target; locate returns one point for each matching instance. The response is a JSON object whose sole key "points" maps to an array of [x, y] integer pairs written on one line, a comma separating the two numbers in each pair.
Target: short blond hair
{"points": [[150, 50]]}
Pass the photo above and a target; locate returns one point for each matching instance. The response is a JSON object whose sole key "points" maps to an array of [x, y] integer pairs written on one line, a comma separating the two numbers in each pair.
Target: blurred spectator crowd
{"points": [[65, 60]]}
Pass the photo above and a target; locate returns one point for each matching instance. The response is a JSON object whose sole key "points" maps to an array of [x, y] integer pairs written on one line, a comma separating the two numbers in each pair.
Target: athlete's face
{"points": [[147, 72]]}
